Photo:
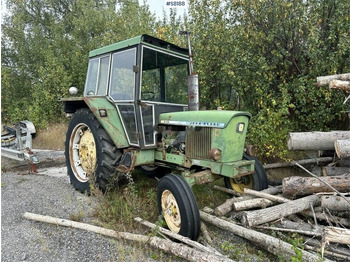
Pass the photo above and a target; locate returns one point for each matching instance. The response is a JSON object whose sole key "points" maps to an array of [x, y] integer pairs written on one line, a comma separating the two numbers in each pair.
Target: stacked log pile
{"points": [[318, 210]]}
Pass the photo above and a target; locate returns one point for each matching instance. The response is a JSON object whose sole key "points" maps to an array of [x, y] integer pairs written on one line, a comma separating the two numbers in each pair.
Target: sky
{"points": [[157, 7]]}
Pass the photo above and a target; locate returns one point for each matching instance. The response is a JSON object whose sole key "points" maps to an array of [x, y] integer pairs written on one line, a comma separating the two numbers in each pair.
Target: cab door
{"points": [[122, 91]]}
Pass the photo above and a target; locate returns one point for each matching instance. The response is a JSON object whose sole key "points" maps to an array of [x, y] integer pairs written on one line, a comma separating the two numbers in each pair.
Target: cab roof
{"points": [[141, 39]]}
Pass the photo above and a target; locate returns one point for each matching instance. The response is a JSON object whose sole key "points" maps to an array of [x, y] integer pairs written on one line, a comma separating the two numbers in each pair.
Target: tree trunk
{"points": [[301, 162], [315, 140], [272, 244], [340, 85], [325, 80], [258, 217], [300, 186], [165, 245], [335, 203], [342, 148]]}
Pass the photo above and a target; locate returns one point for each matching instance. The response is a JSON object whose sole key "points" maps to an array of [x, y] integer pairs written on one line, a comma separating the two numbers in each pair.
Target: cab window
{"points": [[122, 83]]}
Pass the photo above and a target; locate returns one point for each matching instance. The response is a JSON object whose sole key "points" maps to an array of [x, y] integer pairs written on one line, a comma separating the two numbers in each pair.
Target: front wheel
{"points": [[178, 205], [257, 181]]}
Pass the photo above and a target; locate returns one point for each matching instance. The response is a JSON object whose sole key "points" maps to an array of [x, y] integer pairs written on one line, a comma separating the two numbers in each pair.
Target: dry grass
{"points": [[52, 137]]}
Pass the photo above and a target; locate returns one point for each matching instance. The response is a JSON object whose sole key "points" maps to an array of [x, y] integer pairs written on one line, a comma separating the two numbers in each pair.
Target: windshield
{"points": [[164, 77]]}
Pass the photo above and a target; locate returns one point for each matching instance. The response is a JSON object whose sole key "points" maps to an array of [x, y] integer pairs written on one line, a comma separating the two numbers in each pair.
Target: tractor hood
{"points": [[210, 118]]}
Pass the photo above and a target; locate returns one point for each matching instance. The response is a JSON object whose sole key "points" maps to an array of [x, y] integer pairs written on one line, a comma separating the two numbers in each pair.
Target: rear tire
{"points": [[178, 205], [256, 181], [91, 156]]}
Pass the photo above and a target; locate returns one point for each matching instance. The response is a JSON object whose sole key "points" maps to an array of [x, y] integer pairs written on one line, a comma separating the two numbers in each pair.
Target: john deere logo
{"points": [[240, 128]]}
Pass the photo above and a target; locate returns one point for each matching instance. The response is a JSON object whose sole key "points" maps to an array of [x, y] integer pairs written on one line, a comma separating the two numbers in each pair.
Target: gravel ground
{"points": [[50, 193]]}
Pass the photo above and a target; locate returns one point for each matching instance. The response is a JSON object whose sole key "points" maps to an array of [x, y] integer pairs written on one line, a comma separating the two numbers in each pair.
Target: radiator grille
{"points": [[198, 141]]}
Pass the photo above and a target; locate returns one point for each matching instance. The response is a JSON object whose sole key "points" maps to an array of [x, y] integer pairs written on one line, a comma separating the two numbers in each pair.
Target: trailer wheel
{"points": [[91, 156], [178, 205], [257, 181]]}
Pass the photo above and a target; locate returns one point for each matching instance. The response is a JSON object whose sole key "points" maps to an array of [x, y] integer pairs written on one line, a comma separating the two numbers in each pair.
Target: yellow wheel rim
{"points": [[82, 155], [171, 211], [241, 183]]}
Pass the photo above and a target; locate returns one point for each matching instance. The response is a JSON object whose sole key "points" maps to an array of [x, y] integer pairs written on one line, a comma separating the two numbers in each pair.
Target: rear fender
{"points": [[110, 121]]}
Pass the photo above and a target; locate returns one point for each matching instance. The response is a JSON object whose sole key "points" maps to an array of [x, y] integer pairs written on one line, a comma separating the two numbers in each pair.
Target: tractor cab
{"points": [[143, 77]]}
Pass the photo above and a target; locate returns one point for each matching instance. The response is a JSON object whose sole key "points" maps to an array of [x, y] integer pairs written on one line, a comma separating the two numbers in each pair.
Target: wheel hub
{"points": [[241, 183], [171, 211]]}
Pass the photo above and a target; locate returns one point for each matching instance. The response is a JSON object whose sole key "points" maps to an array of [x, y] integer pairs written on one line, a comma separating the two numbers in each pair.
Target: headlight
{"points": [[215, 154]]}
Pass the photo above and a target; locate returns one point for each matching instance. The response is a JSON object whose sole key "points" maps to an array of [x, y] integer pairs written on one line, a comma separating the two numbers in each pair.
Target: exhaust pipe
{"points": [[193, 86]]}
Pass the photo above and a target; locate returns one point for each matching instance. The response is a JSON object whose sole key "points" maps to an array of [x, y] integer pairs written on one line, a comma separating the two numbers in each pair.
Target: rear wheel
{"points": [[91, 156], [178, 205], [257, 181]]}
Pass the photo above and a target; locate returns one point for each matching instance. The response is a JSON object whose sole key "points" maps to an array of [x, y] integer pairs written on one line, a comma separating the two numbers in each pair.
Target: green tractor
{"points": [[140, 109]]}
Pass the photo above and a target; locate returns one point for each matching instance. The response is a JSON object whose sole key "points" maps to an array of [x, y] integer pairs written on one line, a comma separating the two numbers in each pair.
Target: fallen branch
{"points": [[329, 253], [274, 198], [252, 203], [301, 162], [227, 190], [165, 245], [228, 205], [183, 239], [205, 233], [303, 232], [271, 244]]}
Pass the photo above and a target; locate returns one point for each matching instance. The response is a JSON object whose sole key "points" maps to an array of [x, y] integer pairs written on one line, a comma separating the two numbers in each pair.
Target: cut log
{"points": [[301, 162], [340, 85], [227, 206], [335, 203], [300, 186], [271, 244], [325, 80], [315, 140], [342, 148], [165, 245], [252, 203], [258, 217], [336, 235]]}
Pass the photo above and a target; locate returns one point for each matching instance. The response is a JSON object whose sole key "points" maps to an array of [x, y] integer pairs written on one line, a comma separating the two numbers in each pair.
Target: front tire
{"points": [[91, 156], [257, 181], [178, 205]]}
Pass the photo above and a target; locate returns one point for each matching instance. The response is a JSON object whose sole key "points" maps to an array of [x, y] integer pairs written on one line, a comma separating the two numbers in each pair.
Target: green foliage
{"points": [[258, 56], [264, 56]]}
